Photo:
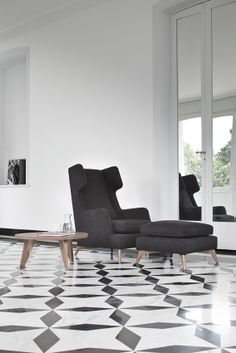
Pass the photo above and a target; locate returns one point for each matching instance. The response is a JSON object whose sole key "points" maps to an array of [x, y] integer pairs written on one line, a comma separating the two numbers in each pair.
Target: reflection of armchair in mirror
{"points": [[188, 208]]}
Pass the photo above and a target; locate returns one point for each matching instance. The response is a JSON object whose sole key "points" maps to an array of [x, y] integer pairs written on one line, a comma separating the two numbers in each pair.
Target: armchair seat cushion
{"points": [[223, 218], [177, 229], [123, 241], [127, 226]]}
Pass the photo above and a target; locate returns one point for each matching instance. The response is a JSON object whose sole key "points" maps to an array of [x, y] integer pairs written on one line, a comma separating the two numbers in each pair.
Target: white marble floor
{"points": [[99, 306]]}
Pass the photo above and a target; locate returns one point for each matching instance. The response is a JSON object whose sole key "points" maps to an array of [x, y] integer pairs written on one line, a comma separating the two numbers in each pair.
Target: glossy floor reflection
{"points": [[100, 306]]}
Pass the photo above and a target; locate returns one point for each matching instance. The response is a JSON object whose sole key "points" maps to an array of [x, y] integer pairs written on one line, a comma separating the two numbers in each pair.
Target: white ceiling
{"points": [[14, 13], [20, 15]]}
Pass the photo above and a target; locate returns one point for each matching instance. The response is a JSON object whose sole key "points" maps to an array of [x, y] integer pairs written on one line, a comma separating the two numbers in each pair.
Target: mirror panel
{"points": [[189, 116], [224, 112]]}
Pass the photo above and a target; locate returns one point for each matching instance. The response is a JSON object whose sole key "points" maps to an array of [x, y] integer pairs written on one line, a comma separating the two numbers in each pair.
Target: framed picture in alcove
{"points": [[16, 172]]}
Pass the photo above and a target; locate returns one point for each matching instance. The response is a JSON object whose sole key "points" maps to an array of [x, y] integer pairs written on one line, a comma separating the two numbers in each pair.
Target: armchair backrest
{"points": [[93, 188]]}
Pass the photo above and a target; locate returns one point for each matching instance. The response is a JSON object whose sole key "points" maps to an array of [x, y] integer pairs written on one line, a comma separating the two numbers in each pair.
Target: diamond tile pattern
{"points": [[99, 306], [129, 338], [46, 340], [54, 303], [120, 317], [51, 318]]}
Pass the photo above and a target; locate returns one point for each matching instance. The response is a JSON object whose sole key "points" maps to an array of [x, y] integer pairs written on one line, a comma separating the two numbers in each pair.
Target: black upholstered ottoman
{"points": [[179, 237]]}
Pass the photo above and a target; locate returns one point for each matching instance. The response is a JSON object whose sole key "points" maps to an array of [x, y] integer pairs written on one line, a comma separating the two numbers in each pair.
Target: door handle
{"points": [[200, 152]]}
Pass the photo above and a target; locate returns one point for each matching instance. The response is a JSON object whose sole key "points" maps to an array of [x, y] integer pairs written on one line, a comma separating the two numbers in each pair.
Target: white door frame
{"points": [[165, 116], [205, 145], [166, 187]]}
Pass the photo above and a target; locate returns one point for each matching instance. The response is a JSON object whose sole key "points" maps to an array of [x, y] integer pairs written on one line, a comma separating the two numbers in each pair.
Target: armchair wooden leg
{"points": [[119, 256], [214, 256], [140, 255], [77, 250], [111, 254], [183, 261]]}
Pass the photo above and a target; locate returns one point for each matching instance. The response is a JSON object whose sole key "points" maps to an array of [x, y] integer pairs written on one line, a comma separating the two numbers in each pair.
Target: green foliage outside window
{"points": [[192, 162], [221, 164]]}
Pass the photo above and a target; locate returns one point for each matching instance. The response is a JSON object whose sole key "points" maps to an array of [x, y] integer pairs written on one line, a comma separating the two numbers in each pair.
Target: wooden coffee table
{"points": [[65, 242]]}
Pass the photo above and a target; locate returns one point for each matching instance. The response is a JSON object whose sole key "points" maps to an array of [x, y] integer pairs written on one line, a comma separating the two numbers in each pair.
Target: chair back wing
{"points": [[188, 208], [192, 186], [77, 181], [185, 199], [113, 183]]}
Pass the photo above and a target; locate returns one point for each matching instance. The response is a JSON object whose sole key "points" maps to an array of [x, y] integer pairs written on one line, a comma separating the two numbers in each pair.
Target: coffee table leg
{"points": [[64, 252], [70, 250], [77, 250], [27, 247]]}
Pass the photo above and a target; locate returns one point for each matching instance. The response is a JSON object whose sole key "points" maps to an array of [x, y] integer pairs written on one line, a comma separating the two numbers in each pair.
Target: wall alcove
{"points": [[14, 117]]}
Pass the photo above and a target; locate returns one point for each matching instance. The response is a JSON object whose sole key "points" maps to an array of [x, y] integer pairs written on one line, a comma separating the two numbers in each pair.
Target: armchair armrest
{"points": [[217, 210], [134, 213], [97, 223]]}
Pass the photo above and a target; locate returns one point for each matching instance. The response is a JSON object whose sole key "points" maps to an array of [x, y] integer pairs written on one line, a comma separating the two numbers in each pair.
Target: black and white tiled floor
{"points": [[99, 306]]}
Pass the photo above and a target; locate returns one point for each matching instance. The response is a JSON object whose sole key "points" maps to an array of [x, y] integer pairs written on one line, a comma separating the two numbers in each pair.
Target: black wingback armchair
{"points": [[97, 210], [188, 208]]}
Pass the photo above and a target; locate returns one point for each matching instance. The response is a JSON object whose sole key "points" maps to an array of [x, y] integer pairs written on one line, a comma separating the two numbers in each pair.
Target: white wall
{"points": [[91, 103]]}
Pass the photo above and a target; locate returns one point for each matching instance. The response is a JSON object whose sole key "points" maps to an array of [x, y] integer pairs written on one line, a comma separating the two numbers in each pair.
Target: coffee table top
{"points": [[51, 236]]}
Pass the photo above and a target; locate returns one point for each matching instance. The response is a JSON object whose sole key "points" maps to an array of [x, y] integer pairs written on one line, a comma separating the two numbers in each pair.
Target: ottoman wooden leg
{"points": [[119, 256], [183, 261], [214, 256], [140, 255]]}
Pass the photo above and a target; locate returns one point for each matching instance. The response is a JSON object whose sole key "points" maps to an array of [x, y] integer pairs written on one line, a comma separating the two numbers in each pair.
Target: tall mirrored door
{"points": [[205, 50]]}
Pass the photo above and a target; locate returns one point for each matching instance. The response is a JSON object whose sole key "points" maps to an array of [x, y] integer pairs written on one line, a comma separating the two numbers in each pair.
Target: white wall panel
{"points": [[91, 102]]}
